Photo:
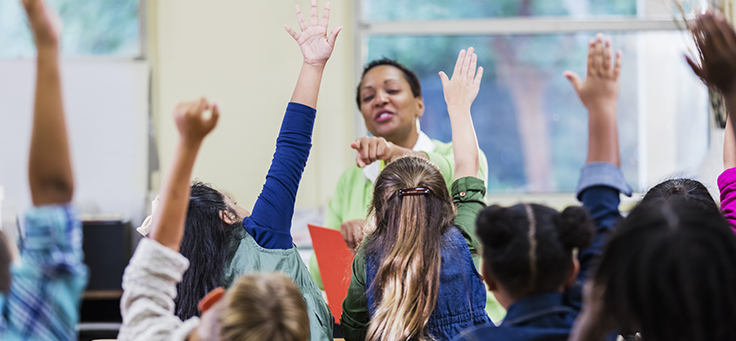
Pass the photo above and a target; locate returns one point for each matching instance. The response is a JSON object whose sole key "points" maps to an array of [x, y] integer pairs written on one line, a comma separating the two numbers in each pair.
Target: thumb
{"points": [[444, 79], [574, 80], [215, 115]]}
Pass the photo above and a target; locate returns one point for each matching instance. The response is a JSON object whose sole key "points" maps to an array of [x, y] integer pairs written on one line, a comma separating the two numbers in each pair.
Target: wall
{"points": [[238, 53]]}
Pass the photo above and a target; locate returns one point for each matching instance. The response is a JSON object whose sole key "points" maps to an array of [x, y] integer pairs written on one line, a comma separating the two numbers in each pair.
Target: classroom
{"points": [[421, 170]]}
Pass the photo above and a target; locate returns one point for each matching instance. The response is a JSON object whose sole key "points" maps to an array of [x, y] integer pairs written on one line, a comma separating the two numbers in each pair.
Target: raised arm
{"points": [[460, 92], [49, 165], [167, 227], [270, 223], [599, 94], [716, 43]]}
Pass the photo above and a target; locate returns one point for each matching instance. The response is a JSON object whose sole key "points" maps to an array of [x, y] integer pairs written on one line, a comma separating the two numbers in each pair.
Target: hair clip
{"points": [[414, 191]]}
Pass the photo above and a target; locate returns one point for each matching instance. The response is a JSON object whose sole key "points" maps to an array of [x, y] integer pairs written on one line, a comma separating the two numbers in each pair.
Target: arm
{"points": [[460, 92], [49, 165], [167, 227], [355, 315], [270, 222], [716, 42]]}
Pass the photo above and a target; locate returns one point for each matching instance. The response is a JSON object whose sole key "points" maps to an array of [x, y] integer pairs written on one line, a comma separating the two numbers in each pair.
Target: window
{"points": [[99, 27], [529, 121]]}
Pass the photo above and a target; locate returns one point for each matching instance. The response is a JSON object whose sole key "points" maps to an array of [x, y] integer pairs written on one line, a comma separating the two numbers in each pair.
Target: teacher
{"points": [[390, 98]]}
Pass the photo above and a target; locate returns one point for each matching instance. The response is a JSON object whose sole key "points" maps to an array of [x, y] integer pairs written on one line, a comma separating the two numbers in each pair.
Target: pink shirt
{"points": [[727, 186]]}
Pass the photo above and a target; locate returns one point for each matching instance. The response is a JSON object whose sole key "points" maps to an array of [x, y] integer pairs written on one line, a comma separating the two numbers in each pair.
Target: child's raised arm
{"points": [[49, 165], [599, 94], [460, 92], [193, 125]]}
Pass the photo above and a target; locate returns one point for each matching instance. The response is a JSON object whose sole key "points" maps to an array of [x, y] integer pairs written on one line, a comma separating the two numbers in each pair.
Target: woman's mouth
{"points": [[384, 116]]}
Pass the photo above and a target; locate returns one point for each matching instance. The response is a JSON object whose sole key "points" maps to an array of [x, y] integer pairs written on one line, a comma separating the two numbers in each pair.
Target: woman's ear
{"points": [[211, 299], [420, 106], [486, 273], [575, 271], [227, 217]]}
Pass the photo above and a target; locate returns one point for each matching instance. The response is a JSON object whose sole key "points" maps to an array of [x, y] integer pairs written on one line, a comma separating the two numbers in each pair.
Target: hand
{"points": [[716, 42], [601, 86], [45, 23], [461, 90], [314, 42], [353, 233], [192, 121], [371, 149]]}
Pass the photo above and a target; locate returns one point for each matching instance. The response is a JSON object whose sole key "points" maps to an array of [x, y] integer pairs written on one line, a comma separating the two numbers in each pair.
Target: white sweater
{"points": [[149, 289]]}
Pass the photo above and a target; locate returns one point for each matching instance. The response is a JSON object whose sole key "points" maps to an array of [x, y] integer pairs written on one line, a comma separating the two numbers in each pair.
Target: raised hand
{"points": [[716, 42], [601, 86], [313, 40], [461, 90], [193, 121], [45, 23]]}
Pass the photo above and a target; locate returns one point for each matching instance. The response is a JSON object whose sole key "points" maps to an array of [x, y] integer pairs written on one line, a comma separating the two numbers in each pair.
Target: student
{"points": [[257, 307], [529, 263], [224, 241], [46, 286], [413, 277]]}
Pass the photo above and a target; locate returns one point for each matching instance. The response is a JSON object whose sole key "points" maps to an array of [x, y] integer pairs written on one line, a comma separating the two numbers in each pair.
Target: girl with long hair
{"points": [[224, 241], [414, 277]]}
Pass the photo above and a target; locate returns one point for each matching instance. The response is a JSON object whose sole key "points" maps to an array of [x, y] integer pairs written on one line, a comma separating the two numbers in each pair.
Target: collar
{"points": [[535, 307], [424, 144]]}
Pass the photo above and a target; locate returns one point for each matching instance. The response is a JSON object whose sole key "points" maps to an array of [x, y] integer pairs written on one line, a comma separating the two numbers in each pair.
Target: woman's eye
{"points": [[367, 98], [392, 92]]}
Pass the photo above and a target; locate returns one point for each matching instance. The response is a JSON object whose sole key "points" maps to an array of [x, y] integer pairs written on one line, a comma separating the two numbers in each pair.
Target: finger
{"points": [[325, 16], [300, 16], [313, 17], [444, 79], [215, 115], [372, 150], [202, 105], [713, 36], [294, 34], [359, 162], [466, 62], [351, 238], [598, 55], [381, 151], [478, 76], [355, 145], [473, 65], [617, 65], [574, 79], [459, 63], [333, 36], [591, 53], [607, 55], [727, 32], [696, 68]]}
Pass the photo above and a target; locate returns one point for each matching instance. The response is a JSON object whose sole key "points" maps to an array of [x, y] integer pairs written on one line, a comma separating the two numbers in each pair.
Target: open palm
{"points": [[314, 42]]}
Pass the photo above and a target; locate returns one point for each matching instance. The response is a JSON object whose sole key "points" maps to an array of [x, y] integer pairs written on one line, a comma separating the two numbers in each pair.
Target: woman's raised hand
{"points": [[193, 121], [315, 43], [461, 90]]}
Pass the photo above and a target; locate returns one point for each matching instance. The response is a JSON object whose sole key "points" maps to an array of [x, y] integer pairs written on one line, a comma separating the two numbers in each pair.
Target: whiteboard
{"points": [[106, 105]]}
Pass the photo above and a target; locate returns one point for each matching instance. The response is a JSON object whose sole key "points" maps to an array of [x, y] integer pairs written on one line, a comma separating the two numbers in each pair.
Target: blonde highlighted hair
{"points": [[264, 306], [406, 240]]}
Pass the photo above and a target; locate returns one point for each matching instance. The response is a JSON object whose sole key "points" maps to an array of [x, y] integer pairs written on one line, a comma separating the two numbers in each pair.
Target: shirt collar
{"points": [[534, 307], [424, 144]]}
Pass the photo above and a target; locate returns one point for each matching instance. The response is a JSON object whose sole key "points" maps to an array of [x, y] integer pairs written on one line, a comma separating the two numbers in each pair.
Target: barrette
{"points": [[414, 191]]}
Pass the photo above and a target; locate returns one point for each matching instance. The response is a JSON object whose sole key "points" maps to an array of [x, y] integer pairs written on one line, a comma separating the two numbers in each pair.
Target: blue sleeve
{"points": [[270, 221], [599, 190]]}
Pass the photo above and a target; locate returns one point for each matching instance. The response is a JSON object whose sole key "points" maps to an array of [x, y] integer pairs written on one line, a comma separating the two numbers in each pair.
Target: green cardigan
{"points": [[468, 195]]}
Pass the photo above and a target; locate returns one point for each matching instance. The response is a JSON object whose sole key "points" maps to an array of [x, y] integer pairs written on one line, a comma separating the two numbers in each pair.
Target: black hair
{"points": [[670, 272], [207, 244], [410, 76], [690, 190], [508, 235]]}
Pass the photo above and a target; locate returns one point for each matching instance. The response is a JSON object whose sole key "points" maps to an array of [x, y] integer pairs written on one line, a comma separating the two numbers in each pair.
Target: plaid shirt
{"points": [[48, 282]]}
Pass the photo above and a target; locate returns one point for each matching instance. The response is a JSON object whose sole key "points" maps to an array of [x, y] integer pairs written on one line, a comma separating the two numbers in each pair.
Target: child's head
{"points": [[211, 221], [690, 190], [669, 272], [528, 248], [413, 209], [265, 306]]}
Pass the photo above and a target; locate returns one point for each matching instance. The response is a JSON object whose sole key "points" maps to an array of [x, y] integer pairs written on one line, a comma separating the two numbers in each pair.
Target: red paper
{"points": [[335, 265]]}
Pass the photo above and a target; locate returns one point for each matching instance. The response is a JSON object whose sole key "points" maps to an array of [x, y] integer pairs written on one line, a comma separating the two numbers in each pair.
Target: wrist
{"points": [[458, 108], [190, 143], [315, 66]]}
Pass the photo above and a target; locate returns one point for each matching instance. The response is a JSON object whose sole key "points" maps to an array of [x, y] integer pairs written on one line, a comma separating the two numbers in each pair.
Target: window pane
{"points": [[381, 10], [530, 122], [99, 27]]}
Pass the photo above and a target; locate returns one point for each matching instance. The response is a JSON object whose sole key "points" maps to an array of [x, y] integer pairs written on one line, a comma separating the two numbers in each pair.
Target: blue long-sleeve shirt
{"points": [[270, 221], [550, 316]]}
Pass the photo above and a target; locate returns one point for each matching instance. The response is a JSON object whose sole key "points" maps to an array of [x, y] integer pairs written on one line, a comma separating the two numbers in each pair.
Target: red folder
{"points": [[335, 265]]}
